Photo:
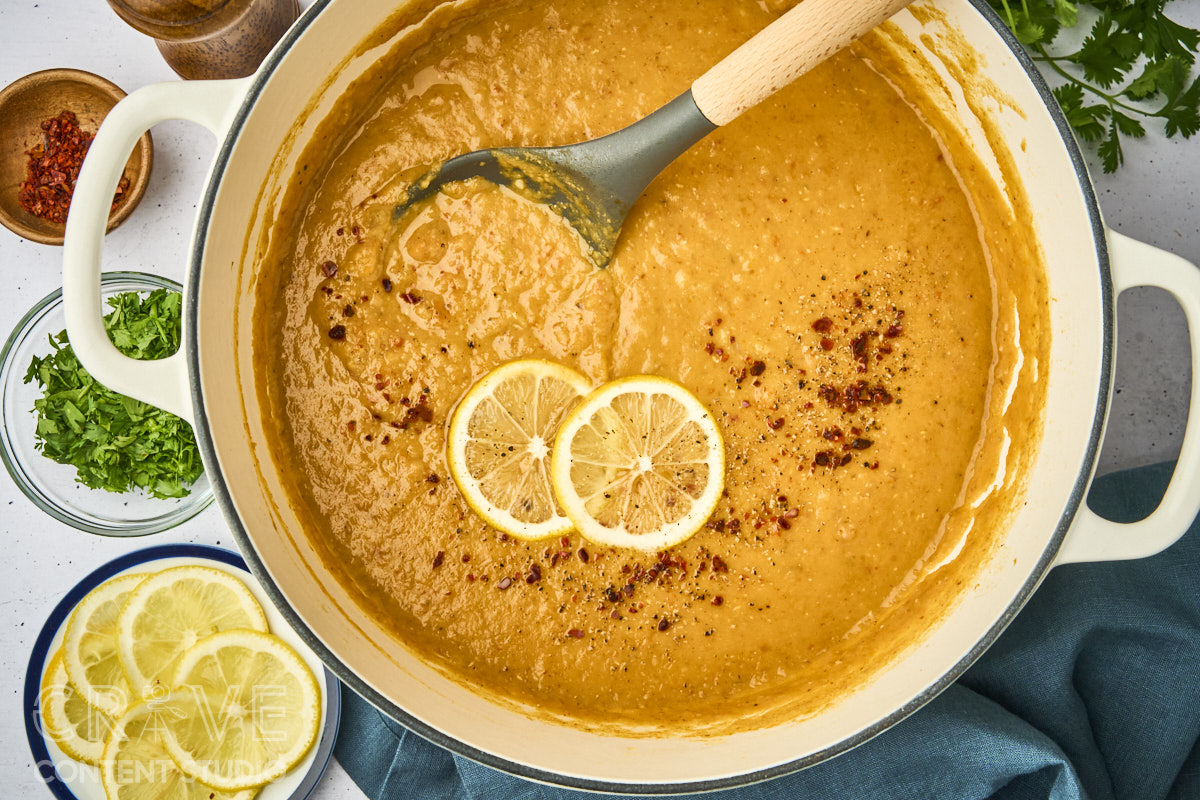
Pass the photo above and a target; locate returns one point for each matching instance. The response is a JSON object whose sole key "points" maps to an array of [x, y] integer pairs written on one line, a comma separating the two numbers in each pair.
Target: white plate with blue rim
{"points": [[68, 779]]}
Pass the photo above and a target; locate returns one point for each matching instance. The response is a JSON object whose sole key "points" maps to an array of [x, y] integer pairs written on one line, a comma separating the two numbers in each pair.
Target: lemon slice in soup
{"points": [[499, 444], [639, 463]]}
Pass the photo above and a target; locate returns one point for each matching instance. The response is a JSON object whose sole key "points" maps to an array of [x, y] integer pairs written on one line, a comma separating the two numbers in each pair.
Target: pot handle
{"points": [[1091, 537], [164, 382]]}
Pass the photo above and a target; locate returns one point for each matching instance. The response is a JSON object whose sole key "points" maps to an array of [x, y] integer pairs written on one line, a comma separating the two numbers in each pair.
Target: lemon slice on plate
{"points": [[499, 443], [247, 709], [639, 463], [76, 727], [172, 610], [90, 645], [136, 766]]}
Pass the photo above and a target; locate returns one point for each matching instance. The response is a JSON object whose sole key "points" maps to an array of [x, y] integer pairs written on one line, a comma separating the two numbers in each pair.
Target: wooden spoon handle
{"points": [[783, 51]]}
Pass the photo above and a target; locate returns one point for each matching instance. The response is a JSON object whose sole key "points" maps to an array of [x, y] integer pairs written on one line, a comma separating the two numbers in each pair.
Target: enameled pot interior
{"points": [[276, 120]]}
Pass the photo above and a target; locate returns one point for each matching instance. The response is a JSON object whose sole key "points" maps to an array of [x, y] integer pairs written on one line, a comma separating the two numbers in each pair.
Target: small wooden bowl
{"points": [[24, 104]]}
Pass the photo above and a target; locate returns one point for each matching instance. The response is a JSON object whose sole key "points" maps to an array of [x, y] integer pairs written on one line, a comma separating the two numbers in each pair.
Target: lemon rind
{"points": [[64, 736], [456, 440], [188, 764], [140, 683], [572, 504], [76, 673]]}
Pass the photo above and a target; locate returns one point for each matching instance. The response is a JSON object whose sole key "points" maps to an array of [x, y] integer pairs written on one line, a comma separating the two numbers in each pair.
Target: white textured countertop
{"points": [[1153, 198]]}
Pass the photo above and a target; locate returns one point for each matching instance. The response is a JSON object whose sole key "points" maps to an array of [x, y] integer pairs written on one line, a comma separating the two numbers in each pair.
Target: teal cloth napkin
{"points": [[1093, 693]]}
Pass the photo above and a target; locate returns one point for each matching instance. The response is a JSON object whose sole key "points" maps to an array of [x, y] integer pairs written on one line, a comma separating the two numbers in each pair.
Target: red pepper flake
{"points": [[329, 269], [775, 424], [466, 559], [663, 624], [53, 168], [826, 343], [411, 298], [433, 478], [823, 458], [893, 331], [860, 349], [504, 583], [387, 284], [855, 396], [583, 555], [832, 434], [417, 413], [860, 444], [351, 425], [719, 565], [535, 574], [718, 600], [337, 332], [757, 368], [348, 311], [439, 558], [575, 633], [822, 325]]}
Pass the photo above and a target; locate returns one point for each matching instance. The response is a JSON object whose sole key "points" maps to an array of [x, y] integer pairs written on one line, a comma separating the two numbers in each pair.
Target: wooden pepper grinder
{"points": [[209, 39]]}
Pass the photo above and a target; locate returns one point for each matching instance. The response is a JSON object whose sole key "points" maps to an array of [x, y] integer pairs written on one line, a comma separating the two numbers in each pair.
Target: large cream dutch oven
{"points": [[263, 123]]}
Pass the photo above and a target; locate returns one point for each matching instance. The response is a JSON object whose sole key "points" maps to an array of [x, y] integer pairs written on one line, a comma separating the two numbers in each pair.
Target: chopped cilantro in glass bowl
{"points": [[142, 472]]}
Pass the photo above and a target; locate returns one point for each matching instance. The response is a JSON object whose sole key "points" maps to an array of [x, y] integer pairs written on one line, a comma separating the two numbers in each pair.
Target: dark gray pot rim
{"points": [[225, 502]]}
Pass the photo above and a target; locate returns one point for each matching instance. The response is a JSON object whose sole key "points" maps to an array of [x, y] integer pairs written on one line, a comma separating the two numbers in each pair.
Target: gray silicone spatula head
{"points": [[593, 184]]}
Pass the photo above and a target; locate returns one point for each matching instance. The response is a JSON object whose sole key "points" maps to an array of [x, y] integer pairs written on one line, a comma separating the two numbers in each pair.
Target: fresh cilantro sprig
{"points": [[1133, 66], [113, 441]]}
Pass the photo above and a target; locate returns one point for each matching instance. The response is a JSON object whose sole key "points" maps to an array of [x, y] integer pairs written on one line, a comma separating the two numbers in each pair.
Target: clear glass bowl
{"points": [[51, 486]]}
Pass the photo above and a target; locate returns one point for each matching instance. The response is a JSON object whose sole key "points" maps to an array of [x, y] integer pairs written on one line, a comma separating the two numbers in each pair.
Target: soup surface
{"points": [[820, 273]]}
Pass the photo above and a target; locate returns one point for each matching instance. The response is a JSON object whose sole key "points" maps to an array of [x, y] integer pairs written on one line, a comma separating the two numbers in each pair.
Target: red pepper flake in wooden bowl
{"points": [[53, 168]]}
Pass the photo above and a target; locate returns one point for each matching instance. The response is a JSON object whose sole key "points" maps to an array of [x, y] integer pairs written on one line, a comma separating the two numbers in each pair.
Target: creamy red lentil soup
{"points": [[833, 275]]}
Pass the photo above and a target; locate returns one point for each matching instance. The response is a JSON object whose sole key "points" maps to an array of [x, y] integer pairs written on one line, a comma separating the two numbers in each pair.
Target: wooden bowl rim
{"points": [[36, 81]]}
